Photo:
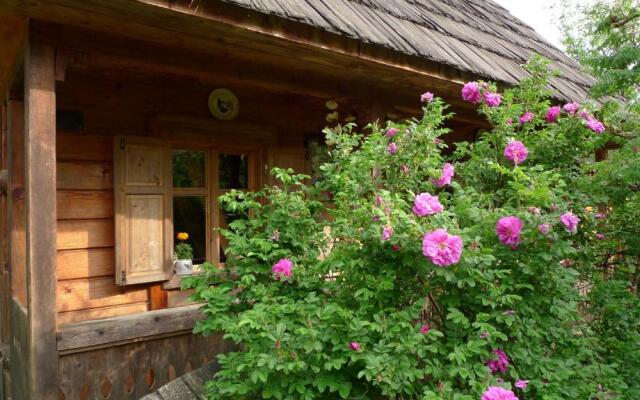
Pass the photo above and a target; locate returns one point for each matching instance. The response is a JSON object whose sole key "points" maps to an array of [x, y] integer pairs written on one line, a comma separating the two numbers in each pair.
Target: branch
{"points": [[619, 23]]}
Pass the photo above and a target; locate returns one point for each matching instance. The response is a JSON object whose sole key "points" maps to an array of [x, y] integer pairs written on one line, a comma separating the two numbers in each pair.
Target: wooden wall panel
{"points": [[84, 204], [71, 147], [89, 175], [85, 234], [85, 263], [81, 294], [102, 312]]}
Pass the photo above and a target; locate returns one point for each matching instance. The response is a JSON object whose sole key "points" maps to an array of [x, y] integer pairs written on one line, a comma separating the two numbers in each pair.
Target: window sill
{"points": [[176, 280]]}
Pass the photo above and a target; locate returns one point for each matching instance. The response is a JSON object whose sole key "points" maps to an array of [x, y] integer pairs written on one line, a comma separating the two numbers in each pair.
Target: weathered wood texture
{"points": [[127, 328], [16, 203], [133, 370], [40, 193], [19, 351], [13, 30], [186, 387]]}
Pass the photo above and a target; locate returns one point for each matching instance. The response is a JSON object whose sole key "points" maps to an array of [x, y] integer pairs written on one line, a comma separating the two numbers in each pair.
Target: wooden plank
{"points": [[100, 313], [19, 351], [40, 173], [84, 147], [85, 234], [80, 294], [179, 298], [84, 204], [118, 329], [85, 263], [84, 175], [17, 215], [157, 297]]}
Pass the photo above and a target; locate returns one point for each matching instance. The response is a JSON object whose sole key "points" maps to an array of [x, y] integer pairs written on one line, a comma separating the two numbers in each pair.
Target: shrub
{"points": [[411, 271]]}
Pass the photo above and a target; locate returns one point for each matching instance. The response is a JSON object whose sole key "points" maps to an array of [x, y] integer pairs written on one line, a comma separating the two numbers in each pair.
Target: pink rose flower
{"points": [[500, 363], [424, 329], [426, 97], [404, 169], [492, 99], [392, 148], [534, 210], [553, 113], [498, 393], [571, 108], [521, 384], [566, 263], [600, 236], [544, 228], [526, 117], [391, 132], [595, 125], [379, 200], [484, 335], [387, 232], [355, 346], [600, 216], [282, 268], [570, 221], [442, 248], [445, 177], [516, 152], [509, 121], [471, 92], [584, 114], [395, 247], [426, 204], [508, 230]]}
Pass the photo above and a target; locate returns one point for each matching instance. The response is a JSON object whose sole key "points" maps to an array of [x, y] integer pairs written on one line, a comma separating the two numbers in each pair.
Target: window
{"points": [[191, 200], [232, 173], [160, 191]]}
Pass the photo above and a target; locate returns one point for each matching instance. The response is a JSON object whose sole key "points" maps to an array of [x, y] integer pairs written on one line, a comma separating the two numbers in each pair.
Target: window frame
{"points": [[211, 191]]}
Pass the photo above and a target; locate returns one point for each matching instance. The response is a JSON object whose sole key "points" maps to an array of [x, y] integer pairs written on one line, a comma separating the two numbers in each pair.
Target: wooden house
{"points": [[102, 99]]}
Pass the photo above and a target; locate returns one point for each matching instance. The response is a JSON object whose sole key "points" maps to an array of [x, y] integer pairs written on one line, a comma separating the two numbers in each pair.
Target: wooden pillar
{"points": [[40, 199]]}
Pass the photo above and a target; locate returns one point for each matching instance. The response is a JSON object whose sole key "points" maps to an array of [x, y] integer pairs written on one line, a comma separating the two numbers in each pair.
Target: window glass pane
{"points": [[234, 171], [189, 169], [190, 216]]}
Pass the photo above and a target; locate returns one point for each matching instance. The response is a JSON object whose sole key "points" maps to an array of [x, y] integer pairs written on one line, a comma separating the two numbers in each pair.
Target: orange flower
{"points": [[182, 236]]}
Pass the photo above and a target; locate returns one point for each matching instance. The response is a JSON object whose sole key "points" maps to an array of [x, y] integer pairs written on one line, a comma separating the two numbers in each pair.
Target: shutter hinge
{"points": [[122, 143], [123, 278]]}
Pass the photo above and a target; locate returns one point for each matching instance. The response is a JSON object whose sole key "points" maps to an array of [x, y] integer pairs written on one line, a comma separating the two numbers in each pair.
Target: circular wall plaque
{"points": [[223, 104]]}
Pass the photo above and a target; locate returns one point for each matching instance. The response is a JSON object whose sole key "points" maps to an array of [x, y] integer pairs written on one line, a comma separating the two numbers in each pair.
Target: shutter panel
{"points": [[142, 184], [295, 158]]}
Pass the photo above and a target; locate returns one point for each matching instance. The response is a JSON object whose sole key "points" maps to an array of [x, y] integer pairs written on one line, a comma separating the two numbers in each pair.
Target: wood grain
{"points": [[85, 263], [85, 234], [84, 175], [84, 147], [79, 294], [118, 329], [100, 313], [40, 194], [84, 204]]}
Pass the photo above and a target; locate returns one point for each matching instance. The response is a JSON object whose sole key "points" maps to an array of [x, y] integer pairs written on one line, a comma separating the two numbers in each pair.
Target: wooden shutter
{"points": [[295, 158], [142, 175]]}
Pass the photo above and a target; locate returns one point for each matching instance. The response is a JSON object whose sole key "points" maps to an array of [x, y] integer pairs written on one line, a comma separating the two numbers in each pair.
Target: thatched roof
{"points": [[476, 36]]}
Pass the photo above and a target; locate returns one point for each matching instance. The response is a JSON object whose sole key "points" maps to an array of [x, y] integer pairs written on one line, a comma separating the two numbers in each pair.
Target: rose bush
{"points": [[410, 271]]}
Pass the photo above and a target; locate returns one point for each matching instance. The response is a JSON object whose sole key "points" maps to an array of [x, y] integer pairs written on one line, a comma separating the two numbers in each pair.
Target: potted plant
{"points": [[183, 255]]}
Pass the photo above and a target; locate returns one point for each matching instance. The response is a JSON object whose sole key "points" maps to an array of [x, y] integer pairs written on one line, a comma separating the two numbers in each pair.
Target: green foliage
{"points": [[183, 251], [605, 37], [349, 285]]}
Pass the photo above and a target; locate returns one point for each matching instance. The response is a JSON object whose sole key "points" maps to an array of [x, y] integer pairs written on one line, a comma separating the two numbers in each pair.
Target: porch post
{"points": [[40, 199]]}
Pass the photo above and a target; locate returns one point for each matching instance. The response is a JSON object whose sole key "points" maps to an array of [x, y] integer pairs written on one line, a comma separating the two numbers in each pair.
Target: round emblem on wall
{"points": [[223, 104]]}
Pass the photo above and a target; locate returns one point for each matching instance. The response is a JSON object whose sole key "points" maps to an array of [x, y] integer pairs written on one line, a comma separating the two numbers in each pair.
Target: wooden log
{"points": [[17, 206], [84, 175], [100, 313], [40, 194], [84, 204], [85, 234], [85, 263], [81, 294], [130, 327]]}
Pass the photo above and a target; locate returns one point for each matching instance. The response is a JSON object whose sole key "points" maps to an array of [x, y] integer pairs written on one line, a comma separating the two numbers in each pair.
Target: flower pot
{"points": [[183, 267]]}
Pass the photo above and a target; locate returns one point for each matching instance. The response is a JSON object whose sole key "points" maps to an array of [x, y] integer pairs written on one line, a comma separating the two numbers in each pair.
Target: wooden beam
{"points": [[137, 327], [40, 197]]}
